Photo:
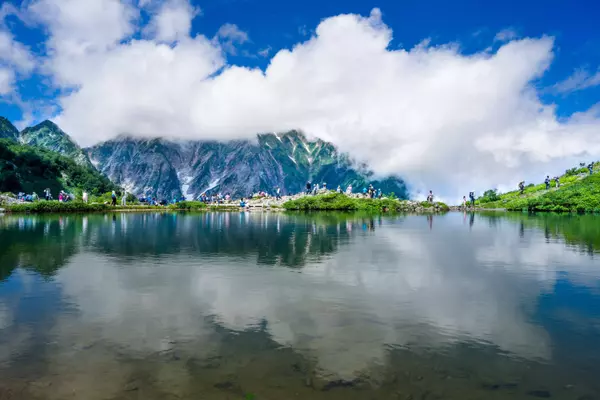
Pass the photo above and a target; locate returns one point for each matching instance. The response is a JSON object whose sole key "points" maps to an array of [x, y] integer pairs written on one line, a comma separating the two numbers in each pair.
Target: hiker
{"points": [[557, 181], [60, 196], [113, 197], [243, 203], [47, 194], [308, 187], [349, 190], [371, 191], [124, 199], [591, 168], [379, 194], [547, 182], [339, 189], [85, 197], [316, 189], [472, 198], [325, 186], [465, 202], [522, 187], [430, 196], [278, 193], [365, 192]]}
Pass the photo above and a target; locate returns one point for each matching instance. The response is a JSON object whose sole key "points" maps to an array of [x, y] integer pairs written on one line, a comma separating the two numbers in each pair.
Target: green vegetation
{"points": [[188, 206], [42, 206], [578, 192], [341, 202], [31, 169]]}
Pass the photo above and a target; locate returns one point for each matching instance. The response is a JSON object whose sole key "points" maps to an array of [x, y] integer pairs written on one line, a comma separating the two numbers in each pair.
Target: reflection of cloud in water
{"points": [[538, 258], [400, 286]]}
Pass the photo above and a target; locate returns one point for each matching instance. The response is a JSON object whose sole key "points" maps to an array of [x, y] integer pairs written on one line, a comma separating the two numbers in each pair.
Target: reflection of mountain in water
{"points": [[39, 244]]}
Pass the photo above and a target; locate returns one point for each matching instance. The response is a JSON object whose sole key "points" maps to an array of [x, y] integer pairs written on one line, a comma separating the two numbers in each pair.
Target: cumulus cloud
{"points": [[439, 118]]}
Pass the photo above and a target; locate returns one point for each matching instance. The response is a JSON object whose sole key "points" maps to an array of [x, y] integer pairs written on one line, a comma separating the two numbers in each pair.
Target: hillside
{"points": [[32, 169], [49, 136], [578, 192]]}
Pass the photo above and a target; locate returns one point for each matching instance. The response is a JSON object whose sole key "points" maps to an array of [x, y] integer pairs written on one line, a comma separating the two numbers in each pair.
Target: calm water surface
{"points": [[323, 306]]}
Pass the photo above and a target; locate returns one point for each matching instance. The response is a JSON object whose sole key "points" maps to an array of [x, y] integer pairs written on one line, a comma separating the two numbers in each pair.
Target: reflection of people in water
{"points": [[522, 229], [430, 221], [472, 220]]}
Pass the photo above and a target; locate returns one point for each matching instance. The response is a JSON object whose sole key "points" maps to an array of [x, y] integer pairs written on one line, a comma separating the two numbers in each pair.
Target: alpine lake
{"points": [[276, 306]]}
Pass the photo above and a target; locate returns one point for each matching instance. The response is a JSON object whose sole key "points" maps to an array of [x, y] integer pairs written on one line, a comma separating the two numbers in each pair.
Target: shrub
{"points": [[188, 205], [489, 196], [56, 206]]}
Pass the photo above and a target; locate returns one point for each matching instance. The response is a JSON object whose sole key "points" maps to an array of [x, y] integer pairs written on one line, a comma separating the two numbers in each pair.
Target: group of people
{"points": [[217, 198], [314, 189], [547, 181], [27, 197], [471, 200], [372, 193]]}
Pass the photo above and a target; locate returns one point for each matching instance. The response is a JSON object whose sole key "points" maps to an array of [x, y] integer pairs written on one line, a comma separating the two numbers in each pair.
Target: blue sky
{"points": [[471, 23], [512, 87]]}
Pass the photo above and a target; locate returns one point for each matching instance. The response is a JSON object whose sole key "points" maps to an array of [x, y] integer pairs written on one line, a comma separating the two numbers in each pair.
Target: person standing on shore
{"points": [[124, 198], [547, 182], [464, 202], [472, 197], [113, 197], [85, 197], [308, 187]]}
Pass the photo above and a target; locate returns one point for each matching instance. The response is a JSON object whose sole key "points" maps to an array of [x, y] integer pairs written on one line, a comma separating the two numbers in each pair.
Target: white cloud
{"points": [[7, 79], [15, 59], [230, 36], [173, 21], [506, 35], [265, 52], [441, 119], [581, 79]]}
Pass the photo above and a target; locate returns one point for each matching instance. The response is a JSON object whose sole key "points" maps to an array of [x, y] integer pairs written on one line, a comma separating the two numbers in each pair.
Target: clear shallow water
{"points": [[322, 306]]}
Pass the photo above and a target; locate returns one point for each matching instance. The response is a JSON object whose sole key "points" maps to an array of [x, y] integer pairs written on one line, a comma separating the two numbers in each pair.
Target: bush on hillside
{"points": [[489, 196], [32, 169]]}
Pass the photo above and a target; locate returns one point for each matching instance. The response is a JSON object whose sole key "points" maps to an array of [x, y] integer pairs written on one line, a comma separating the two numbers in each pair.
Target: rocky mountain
{"points": [[173, 168], [7, 130], [170, 168], [48, 135]]}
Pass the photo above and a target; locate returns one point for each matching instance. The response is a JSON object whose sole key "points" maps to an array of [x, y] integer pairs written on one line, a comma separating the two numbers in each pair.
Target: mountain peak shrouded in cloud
{"points": [[440, 118]]}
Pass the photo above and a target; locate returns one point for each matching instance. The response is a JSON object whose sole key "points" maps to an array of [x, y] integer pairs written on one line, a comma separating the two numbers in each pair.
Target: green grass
{"points": [[577, 193], [42, 207], [341, 202]]}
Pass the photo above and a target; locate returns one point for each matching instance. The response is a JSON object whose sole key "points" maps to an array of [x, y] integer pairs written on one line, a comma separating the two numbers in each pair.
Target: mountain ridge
{"points": [[167, 169]]}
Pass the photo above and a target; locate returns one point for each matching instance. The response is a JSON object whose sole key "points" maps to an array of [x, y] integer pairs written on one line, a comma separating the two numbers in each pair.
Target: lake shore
{"points": [[320, 202]]}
